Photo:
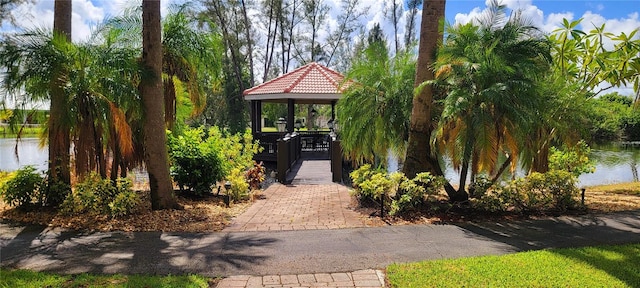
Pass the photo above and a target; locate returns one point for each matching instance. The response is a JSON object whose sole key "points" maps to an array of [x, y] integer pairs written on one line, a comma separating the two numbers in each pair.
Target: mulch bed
{"points": [[210, 214]]}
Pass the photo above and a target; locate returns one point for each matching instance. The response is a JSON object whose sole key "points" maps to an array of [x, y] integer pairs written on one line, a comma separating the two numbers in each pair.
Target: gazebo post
{"points": [[290, 114], [333, 110], [256, 117]]}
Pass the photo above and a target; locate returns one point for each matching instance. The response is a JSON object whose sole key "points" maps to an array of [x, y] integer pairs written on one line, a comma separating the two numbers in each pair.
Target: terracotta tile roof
{"points": [[312, 78]]}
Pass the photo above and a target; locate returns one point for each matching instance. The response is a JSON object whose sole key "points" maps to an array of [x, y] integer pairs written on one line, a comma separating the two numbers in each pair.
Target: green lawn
{"points": [[25, 278], [603, 266], [630, 188], [28, 132]]}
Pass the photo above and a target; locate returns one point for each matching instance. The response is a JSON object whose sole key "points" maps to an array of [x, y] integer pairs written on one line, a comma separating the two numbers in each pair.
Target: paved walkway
{"points": [[300, 207], [315, 252], [310, 171], [360, 278]]}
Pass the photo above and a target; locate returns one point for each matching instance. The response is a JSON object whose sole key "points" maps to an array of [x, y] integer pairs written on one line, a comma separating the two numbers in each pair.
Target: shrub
{"points": [[239, 186], [236, 150], [554, 190], [415, 192], [480, 186], [573, 159], [125, 201], [95, 195], [255, 175], [201, 159], [22, 189], [399, 193], [196, 160]]}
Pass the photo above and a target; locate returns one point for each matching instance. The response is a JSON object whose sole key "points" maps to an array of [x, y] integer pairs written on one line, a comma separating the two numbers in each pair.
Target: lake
{"points": [[29, 153], [614, 163]]}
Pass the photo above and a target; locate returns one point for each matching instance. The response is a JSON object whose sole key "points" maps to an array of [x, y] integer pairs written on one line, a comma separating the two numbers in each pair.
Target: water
{"points": [[614, 163], [29, 153]]}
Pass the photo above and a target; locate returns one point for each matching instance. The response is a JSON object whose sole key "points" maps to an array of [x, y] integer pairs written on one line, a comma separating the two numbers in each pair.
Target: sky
{"points": [[618, 15]]}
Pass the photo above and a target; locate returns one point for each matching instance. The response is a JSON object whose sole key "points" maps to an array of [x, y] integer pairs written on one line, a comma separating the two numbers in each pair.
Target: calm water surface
{"points": [[29, 153], [614, 163]]}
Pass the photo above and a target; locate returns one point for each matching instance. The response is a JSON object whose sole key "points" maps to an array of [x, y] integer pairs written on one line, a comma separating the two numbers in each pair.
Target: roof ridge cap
{"points": [[325, 72], [249, 90], [295, 82]]}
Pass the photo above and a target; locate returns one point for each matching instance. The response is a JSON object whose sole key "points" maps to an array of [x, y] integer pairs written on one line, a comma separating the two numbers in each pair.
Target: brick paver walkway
{"points": [[362, 278], [299, 207]]}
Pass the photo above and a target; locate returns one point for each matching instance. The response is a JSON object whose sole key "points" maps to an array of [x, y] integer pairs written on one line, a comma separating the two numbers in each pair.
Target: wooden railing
{"points": [[288, 154], [268, 142], [335, 152]]}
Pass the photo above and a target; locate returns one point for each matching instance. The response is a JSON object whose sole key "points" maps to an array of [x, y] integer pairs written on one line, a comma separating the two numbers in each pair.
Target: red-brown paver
{"points": [[299, 207], [361, 278]]}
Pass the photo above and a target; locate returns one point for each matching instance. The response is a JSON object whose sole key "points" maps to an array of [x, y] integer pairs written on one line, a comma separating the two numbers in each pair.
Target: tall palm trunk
{"points": [[419, 157], [59, 128], [155, 155]]}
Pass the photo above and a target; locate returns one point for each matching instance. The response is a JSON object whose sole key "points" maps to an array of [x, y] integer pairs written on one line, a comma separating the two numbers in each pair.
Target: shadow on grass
{"points": [[575, 231], [621, 262]]}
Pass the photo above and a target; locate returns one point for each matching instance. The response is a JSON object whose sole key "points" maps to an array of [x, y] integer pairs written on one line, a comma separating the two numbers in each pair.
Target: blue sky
{"points": [[606, 8], [618, 15], [623, 15]]}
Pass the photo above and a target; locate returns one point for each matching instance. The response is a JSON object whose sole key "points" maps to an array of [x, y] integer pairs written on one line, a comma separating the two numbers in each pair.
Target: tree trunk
{"points": [[419, 157], [500, 171], [155, 144], [247, 27], [59, 129]]}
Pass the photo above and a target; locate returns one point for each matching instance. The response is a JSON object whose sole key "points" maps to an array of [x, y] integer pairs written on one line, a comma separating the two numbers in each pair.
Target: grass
{"points": [[602, 266], [26, 278], [27, 132], [630, 188]]}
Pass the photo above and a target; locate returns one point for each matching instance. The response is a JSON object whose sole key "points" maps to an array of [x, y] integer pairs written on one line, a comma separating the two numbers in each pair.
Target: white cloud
{"points": [[86, 14]]}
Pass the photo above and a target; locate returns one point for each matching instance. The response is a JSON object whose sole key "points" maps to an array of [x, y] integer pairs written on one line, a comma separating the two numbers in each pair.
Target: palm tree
{"points": [[155, 143], [419, 155], [491, 74], [190, 55], [376, 110], [37, 63], [99, 88], [58, 129]]}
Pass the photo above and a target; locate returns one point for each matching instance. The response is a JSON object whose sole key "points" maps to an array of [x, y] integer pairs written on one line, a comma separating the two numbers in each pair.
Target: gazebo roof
{"points": [[311, 83]]}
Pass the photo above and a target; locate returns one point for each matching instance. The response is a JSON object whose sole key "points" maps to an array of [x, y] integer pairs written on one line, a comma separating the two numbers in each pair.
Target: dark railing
{"points": [[269, 148], [335, 152], [314, 141], [288, 154]]}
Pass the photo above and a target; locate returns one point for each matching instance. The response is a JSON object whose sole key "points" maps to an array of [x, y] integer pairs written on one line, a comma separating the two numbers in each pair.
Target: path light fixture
{"points": [[227, 196], [281, 124], [330, 124]]}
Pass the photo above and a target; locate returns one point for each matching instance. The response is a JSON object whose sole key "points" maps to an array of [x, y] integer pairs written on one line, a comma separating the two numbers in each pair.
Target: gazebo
{"points": [[310, 84]]}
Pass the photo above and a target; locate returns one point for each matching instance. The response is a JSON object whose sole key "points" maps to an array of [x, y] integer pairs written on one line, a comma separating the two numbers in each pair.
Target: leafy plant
{"points": [[255, 175], [574, 159], [197, 164], [479, 187], [202, 159], [100, 196], [554, 190], [125, 200], [398, 193], [239, 186], [22, 188]]}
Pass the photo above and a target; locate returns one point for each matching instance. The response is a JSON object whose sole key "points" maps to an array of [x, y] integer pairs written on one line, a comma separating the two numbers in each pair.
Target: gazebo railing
{"points": [[288, 155]]}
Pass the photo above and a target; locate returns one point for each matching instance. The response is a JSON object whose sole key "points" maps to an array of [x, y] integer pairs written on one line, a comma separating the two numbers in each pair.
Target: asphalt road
{"points": [[297, 252]]}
